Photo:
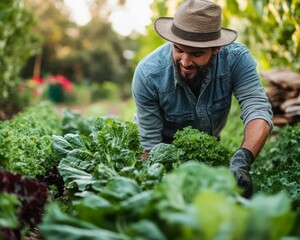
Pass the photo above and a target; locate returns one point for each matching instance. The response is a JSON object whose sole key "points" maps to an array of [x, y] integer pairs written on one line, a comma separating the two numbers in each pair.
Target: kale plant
{"points": [[199, 146], [278, 165], [26, 140]]}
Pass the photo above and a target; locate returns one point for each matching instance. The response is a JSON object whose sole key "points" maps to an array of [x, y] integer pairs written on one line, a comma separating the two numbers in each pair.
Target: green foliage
{"points": [[92, 53], [278, 165], [179, 188], [91, 156], [152, 40], [26, 140], [271, 30], [166, 154], [193, 201], [118, 195], [118, 140], [17, 44], [196, 145], [232, 134], [261, 218], [9, 208], [73, 123]]}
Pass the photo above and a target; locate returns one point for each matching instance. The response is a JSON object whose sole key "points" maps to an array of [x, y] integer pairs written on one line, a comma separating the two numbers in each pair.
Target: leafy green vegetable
{"points": [[9, 208], [166, 154], [193, 201], [278, 165], [274, 212], [145, 230], [180, 187], [176, 193], [196, 145], [218, 216], [25, 202], [58, 225], [26, 142], [89, 162], [117, 142], [120, 188], [73, 123], [263, 217]]}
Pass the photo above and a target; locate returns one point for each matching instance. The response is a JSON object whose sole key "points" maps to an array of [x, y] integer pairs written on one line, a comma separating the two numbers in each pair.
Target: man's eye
{"points": [[178, 50], [197, 54]]}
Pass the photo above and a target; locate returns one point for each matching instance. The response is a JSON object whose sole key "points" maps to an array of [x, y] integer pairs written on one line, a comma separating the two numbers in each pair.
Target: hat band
{"points": [[195, 36]]}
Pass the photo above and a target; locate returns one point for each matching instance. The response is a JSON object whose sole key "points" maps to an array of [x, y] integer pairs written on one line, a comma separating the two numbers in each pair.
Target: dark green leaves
{"points": [[196, 145], [278, 165]]}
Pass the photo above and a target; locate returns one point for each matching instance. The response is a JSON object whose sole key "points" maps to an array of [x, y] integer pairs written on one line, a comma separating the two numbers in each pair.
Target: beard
{"points": [[201, 72]]}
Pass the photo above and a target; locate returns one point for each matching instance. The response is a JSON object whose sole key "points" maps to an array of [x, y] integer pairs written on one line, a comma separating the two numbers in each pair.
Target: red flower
{"points": [[60, 79], [38, 80]]}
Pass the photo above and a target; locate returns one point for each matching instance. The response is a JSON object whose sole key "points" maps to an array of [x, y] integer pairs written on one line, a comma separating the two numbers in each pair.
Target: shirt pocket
{"points": [[219, 111], [177, 121]]}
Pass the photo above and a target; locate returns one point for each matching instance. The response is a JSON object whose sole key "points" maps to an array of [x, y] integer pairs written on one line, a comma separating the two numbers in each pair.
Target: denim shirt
{"points": [[164, 105]]}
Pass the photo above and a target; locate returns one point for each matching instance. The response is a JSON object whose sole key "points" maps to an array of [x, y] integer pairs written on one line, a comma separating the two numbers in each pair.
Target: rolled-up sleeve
{"points": [[248, 90]]}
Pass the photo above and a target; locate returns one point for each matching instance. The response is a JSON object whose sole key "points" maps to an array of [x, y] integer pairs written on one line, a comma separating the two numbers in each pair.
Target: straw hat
{"points": [[197, 23]]}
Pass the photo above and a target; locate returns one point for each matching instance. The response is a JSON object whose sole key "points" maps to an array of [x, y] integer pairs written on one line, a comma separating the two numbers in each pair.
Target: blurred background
{"points": [[82, 53]]}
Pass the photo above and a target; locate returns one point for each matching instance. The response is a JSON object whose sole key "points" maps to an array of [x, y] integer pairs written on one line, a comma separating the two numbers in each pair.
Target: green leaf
{"points": [[73, 177], [61, 146], [145, 230], [166, 154], [94, 209], [180, 187], [199, 146], [75, 141], [271, 216], [219, 217], [137, 205], [9, 209], [120, 188], [58, 225]]}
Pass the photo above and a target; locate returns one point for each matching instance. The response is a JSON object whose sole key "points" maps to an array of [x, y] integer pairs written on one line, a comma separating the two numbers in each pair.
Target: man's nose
{"points": [[186, 60]]}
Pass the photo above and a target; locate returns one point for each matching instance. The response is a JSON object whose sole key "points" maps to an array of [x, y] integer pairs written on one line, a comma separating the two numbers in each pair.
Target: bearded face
{"points": [[194, 73], [193, 64]]}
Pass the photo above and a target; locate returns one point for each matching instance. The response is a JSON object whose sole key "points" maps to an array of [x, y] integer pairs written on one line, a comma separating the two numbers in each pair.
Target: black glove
{"points": [[240, 166]]}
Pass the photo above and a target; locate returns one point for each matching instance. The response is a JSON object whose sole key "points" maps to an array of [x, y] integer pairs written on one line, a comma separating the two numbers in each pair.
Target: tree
{"points": [[270, 28], [18, 43], [57, 32], [93, 52]]}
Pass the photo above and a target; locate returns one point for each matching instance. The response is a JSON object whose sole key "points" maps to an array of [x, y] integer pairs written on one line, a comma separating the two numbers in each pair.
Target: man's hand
{"points": [[145, 155], [240, 166]]}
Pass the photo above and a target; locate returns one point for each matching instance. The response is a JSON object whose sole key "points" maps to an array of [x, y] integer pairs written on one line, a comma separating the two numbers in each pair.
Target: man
{"points": [[190, 80]]}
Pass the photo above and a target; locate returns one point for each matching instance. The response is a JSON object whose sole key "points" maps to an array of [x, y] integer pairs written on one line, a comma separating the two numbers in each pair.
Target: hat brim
{"points": [[163, 26]]}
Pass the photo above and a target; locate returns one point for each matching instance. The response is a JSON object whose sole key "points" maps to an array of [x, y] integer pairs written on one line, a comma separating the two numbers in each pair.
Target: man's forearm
{"points": [[255, 135]]}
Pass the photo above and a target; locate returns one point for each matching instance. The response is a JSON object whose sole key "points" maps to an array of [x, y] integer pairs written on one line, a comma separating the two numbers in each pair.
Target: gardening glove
{"points": [[240, 166]]}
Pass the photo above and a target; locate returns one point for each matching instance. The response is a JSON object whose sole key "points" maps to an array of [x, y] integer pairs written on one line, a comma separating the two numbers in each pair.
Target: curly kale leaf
{"points": [[26, 140], [277, 166], [199, 146]]}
